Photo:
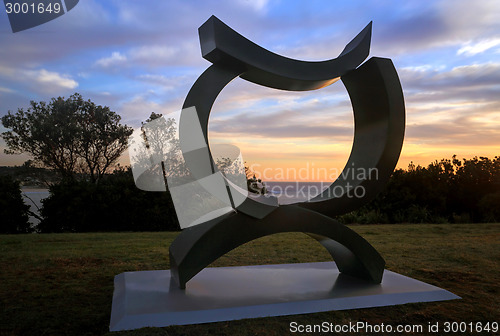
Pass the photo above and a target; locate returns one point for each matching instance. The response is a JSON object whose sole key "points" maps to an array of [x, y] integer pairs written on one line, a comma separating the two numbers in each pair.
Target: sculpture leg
{"points": [[197, 247]]}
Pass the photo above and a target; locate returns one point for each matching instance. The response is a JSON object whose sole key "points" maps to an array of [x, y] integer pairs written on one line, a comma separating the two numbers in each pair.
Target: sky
{"points": [[142, 56]]}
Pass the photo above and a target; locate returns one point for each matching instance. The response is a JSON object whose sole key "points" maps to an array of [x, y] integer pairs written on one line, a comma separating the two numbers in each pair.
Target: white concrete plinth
{"points": [[146, 299]]}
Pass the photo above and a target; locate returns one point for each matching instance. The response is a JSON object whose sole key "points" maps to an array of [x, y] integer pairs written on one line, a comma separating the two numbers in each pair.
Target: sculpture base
{"points": [[147, 299]]}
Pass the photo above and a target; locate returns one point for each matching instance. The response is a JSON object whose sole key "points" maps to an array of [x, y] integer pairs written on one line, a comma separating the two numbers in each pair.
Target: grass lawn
{"points": [[62, 284]]}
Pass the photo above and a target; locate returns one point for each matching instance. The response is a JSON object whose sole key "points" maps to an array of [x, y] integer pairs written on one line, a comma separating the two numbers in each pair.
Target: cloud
{"points": [[435, 25], [116, 58], [474, 48], [256, 5], [138, 108], [289, 131], [50, 78], [6, 90], [458, 133], [464, 82], [167, 83], [153, 56], [39, 80], [455, 107], [420, 31], [470, 20], [282, 124], [186, 53], [473, 74], [153, 53], [158, 79]]}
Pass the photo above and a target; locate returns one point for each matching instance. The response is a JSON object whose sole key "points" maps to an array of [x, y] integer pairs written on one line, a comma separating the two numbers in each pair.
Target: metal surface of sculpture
{"points": [[379, 114]]}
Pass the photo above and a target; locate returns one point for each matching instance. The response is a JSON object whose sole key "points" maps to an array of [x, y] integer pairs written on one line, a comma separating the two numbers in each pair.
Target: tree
{"points": [[73, 136], [162, 140], [156, 156], [476, 179]]}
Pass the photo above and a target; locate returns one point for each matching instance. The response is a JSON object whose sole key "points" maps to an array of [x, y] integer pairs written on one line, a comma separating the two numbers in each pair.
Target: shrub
{"points": [[418, 214], [13, 211], [373, 217], [113, 205], [364, 216], [349, 218], [489, 207]]}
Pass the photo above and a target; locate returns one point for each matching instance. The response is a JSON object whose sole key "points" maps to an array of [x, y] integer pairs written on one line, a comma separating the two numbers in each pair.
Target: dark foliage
{"points": [[113, 205], [446, 191], [13, 211]]}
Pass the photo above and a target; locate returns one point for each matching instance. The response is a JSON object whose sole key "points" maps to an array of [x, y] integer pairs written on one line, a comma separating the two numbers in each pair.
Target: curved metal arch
{"points": [[198, 246], [202, 96], [379, 127], [222, 45]]}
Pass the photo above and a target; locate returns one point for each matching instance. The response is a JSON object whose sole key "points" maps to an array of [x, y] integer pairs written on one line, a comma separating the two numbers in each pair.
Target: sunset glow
{"points": [[125, 55]]}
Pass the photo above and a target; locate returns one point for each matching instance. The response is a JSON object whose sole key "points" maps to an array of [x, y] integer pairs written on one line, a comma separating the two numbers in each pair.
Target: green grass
{"points": [[62, 284]]}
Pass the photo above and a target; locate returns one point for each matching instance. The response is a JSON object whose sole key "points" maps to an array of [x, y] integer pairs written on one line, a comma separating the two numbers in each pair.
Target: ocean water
{"points": [[33, 198]]}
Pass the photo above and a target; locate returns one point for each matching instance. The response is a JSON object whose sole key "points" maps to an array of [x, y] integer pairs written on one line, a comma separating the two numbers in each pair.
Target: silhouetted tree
{"points": [[72, 136], [444, 191], [476, 179]]}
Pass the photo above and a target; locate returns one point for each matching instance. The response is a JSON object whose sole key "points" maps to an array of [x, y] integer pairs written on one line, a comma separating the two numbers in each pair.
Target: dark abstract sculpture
{"points": [[379, 114]]}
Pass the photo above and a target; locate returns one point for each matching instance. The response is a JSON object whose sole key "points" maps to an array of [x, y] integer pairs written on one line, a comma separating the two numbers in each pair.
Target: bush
{"points": [[13, 211], [489, 207], [445, 191], [114, 205], [349, 218], [373, 217], [418, 214], [364, 216]]}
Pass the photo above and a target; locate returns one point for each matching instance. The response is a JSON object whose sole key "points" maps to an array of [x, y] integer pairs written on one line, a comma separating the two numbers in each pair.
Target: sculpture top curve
{"points": [[222, 45]]}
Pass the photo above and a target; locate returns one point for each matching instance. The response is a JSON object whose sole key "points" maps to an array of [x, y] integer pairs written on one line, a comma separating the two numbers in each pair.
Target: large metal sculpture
{"points": [[379, 115]]}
